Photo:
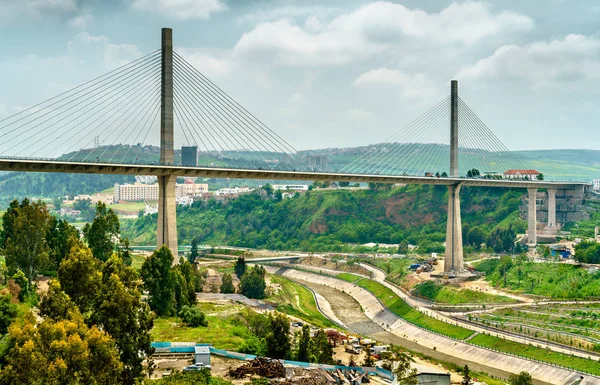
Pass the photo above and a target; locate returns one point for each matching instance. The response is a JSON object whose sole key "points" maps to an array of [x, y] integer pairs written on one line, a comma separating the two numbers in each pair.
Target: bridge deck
{"points": [[32, 165]]}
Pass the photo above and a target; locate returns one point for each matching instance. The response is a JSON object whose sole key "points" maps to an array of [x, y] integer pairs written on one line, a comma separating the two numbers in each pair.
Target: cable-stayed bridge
{"points": [[107, 126]]}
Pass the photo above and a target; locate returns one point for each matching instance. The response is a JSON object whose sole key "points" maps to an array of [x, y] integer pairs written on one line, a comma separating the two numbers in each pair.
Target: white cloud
{"points": [[285, 12], [85, 48], [373, 29], [358, 114], [416, 86], [80, 21], [210, 63], [35, 8], [572, 59], [180, 9]]}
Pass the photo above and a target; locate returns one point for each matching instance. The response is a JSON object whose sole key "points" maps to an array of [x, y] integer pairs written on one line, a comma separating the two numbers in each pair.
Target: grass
{"points": [[537, 353], [450, 295], [137, 260], [403, 310], [129, 207], [223, 332], [296, 300]]}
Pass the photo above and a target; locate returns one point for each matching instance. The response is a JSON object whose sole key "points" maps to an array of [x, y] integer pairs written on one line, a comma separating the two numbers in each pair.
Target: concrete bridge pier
{"points": [[167, 216], [551, 208], [453, 259], [532, 216]]}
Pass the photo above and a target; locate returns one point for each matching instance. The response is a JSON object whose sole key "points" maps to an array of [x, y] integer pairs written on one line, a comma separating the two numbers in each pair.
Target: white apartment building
{"points": [[149, 192], [596, 184], [106, 199], [297, 187], [233, 191]]}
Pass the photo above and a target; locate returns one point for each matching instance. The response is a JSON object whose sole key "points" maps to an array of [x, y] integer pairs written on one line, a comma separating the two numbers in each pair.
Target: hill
{"points": [[330, 220]]}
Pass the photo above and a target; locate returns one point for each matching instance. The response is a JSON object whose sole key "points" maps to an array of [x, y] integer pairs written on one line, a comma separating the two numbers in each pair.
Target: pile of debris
{"points": [[323, 377], [260, 366]]}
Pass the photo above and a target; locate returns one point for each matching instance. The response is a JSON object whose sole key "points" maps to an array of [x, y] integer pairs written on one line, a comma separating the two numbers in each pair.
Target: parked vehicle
{"points": [[353, 349], [197, 366], [377, 350]]}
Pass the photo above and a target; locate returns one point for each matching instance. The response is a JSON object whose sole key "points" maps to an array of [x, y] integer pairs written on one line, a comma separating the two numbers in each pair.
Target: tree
{"points": [[80, 277], [278, 195], [540, 176], [402, 369], [522, 378], [466, 376], [59, 233], [103, 233], [60, 352], [321, 350], [8, 311], [158, 280], [240, 267], [227, 284], [505, 265], [278, 337], [25, 246], [302, 352], [57, 202], [56, 304], [268, 189], [194, 254], [193, 316], [252, 284], [343, 184]]}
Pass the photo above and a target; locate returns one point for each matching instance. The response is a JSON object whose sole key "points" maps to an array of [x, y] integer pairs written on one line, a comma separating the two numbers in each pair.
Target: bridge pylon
{"points": [[453, 258], [167, 218]]}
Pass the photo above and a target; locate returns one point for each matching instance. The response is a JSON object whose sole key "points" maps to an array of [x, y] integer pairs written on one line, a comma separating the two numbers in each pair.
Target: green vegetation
{"points": [[396, 269], [451, 295], [537, 353], [130, 207], [201, 377], [52, 185], [341, 219], [296, 300], [252, 283], [588, 252], [552, 280], [227, 327], [397, 306]]}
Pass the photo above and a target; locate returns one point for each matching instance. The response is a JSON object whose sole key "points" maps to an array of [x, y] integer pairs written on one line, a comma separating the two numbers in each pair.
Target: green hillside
{"points": [[331, 219]]}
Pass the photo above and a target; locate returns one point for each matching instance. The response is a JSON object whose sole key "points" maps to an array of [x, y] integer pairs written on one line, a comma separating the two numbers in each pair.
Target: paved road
{"points": [[388, 321], [420, 305]]}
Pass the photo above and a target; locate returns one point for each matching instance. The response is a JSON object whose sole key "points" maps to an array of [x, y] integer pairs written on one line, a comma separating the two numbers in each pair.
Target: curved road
{"points": [[375, 311]]}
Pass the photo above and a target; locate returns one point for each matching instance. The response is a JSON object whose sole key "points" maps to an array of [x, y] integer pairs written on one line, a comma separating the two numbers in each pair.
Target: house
{"points": [[596, 184], [521, 174]]}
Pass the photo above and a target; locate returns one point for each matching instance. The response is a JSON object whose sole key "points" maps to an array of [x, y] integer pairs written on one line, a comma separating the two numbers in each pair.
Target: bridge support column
{"points": [[167, 218], [453, 260], [551, 208], [532, 216]]}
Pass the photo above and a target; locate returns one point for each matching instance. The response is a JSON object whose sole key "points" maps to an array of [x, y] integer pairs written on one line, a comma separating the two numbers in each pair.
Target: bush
{"points": [[193, 316]]}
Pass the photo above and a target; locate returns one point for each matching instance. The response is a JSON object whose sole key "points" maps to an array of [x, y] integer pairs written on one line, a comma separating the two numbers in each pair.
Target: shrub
{"points": [[193, 316]]}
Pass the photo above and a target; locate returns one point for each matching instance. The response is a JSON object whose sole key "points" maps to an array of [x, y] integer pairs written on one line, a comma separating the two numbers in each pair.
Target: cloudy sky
{"points": [[333, 73]]}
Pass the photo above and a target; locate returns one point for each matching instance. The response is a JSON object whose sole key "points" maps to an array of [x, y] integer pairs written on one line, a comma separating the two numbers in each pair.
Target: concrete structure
{"points": [[454, 252], [454, 260], [202, 355], [551, 208], [95, 199], [454, 129], [532, 216], [167, 221], [521, 174], [150, 192], [297, 187], [233, 191], [596, 184], [189, 156]]}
